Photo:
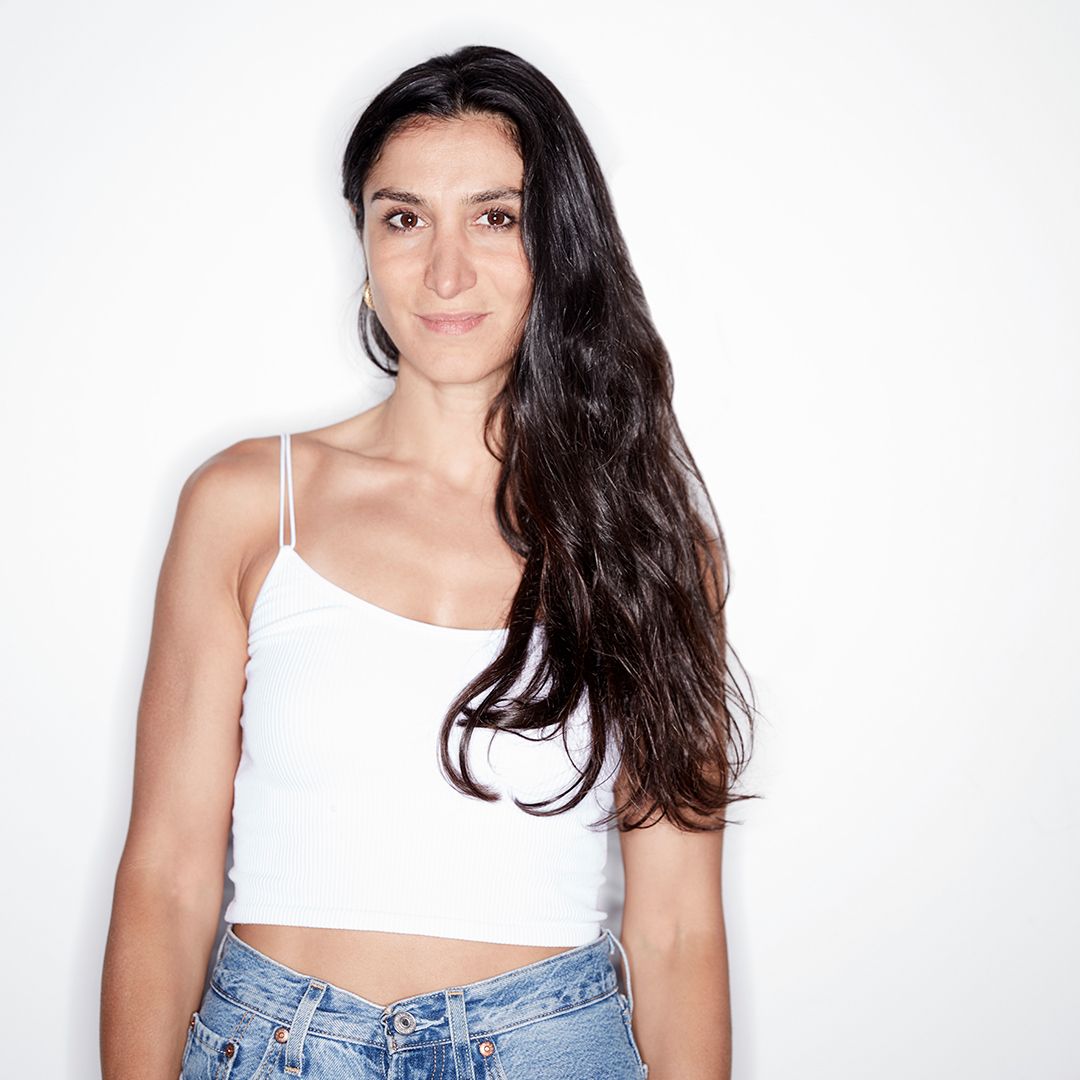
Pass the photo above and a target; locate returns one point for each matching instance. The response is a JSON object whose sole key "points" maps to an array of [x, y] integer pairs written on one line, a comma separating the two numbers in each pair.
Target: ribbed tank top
{"points": [[341, 815]]}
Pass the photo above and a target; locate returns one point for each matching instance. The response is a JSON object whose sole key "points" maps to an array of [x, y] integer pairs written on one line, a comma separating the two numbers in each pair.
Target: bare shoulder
{"points": [[237, 496], [227, 504], [232, 482], [229, 509]]}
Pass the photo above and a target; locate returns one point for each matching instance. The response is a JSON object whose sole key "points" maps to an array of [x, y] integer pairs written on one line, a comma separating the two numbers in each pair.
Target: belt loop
{"points": [[626, 971], [299, 1027], [459, 1035]]}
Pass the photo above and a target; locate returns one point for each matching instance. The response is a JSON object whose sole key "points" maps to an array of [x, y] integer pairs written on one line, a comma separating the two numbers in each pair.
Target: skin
{"points": [[395, 505]]}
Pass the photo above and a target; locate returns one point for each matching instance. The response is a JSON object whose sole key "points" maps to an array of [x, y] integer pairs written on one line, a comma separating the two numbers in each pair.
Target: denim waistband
{"points": [[555, 984]]}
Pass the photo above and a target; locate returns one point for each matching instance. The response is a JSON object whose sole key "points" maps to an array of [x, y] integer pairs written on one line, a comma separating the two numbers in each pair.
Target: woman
{"points": [[491, 626]]}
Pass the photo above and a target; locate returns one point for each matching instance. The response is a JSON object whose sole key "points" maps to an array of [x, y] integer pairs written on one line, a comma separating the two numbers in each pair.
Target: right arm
{"points": [[170, 881]]}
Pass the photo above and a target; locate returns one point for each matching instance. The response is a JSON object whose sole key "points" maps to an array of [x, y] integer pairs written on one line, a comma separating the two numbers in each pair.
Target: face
{"points": [[442, 238]]}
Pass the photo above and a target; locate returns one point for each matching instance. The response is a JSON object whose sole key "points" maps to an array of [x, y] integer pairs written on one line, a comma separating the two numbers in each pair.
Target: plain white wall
{"points": [[856, 225]]}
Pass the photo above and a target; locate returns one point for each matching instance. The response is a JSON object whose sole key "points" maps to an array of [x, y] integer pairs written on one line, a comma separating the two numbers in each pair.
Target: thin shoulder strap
{"points": [[286, 483]]}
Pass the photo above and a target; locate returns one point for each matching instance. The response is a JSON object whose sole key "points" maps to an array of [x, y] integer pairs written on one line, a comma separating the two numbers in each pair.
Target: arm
{"points": [[674, 935], [673, 928], [170, 881]]}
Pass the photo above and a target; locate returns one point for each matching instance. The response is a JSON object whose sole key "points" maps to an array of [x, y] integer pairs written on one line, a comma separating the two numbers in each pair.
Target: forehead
{"points": [[451, 156]]}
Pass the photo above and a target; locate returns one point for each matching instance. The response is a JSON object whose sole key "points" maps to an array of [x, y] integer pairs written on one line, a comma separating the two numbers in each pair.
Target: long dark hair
{"points": [[597, 491]]}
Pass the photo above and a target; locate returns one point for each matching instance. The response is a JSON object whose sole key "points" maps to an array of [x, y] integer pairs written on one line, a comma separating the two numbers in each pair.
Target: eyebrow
{"points": [[491, 195]]}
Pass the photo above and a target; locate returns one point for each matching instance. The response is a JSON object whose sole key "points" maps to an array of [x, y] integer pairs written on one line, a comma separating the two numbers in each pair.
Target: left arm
{"points": [[674, 935]]}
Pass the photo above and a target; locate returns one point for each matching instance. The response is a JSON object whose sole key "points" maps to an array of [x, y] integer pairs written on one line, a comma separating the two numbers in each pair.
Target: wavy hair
{"points": [[625, 564]]}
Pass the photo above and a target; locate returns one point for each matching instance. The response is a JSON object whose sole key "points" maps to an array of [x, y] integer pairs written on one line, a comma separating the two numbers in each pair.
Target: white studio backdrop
{"points": [[856, 225]]}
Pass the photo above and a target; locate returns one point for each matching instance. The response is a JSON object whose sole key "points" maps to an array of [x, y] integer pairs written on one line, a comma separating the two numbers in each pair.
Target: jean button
{"points": [[404, 1023]]}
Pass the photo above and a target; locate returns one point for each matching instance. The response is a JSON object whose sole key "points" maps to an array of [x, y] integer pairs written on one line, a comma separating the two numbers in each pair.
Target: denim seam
{"points": [[485, 1033], [270, 1056], [211, 1047], [555, 1012], [630, 1037], [226, 1038], [242, 1025], [495, 1066], [313, 1030], [285, 1023]]}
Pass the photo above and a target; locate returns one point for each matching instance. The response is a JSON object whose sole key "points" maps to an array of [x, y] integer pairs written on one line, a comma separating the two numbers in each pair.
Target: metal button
{"points": [[282, 1034], [487, 1048], [404, 1023], [230, 1049]]}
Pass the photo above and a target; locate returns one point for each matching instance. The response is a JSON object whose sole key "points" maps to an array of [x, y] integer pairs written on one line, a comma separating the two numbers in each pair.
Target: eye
{"points": [[507, 219], [410, 219]]}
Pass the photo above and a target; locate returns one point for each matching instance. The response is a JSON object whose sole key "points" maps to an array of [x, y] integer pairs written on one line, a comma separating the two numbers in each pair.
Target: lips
{"points": [[457, 322]]}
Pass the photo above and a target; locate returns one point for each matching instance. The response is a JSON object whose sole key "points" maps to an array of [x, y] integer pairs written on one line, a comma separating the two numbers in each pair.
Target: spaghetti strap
{"points": [[286, 481]]}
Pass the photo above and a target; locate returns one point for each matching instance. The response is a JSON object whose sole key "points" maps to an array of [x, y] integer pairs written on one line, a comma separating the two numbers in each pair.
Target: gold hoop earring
{"points": [[367, 294]]}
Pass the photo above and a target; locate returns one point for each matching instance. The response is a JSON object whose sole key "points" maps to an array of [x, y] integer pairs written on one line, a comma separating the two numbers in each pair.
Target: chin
{"points": [[453, 365]]}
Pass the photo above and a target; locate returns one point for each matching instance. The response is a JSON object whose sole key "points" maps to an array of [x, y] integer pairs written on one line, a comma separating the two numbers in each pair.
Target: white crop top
{"points": [[341, 815]]}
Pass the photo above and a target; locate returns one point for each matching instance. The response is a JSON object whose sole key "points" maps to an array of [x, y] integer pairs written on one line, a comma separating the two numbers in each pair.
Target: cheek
{"points": [[397, 290], [396, 268], [514, 280]]}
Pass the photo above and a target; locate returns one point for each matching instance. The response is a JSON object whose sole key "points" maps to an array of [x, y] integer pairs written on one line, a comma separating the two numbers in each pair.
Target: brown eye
{"points": [[409, 220], [506, 219]]}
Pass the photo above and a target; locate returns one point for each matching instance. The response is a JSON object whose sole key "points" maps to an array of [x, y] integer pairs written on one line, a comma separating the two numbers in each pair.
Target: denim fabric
{"points": [[561, 1018]]}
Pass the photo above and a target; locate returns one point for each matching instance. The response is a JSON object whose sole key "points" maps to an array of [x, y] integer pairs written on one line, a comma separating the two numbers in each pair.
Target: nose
{"points": [[450, 268]]}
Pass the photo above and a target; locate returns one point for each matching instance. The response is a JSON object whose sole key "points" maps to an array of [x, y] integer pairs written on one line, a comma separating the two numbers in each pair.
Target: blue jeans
{"points": [[561, 1018]]}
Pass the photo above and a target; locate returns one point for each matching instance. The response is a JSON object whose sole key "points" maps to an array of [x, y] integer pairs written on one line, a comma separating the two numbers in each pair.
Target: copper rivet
{"points": [[192, 1024], [282, 1034], [487, 1048], [230, 1049]]}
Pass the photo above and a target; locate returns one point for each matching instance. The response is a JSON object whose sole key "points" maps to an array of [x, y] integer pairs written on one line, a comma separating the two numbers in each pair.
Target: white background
{"points": [[856, 224]]}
